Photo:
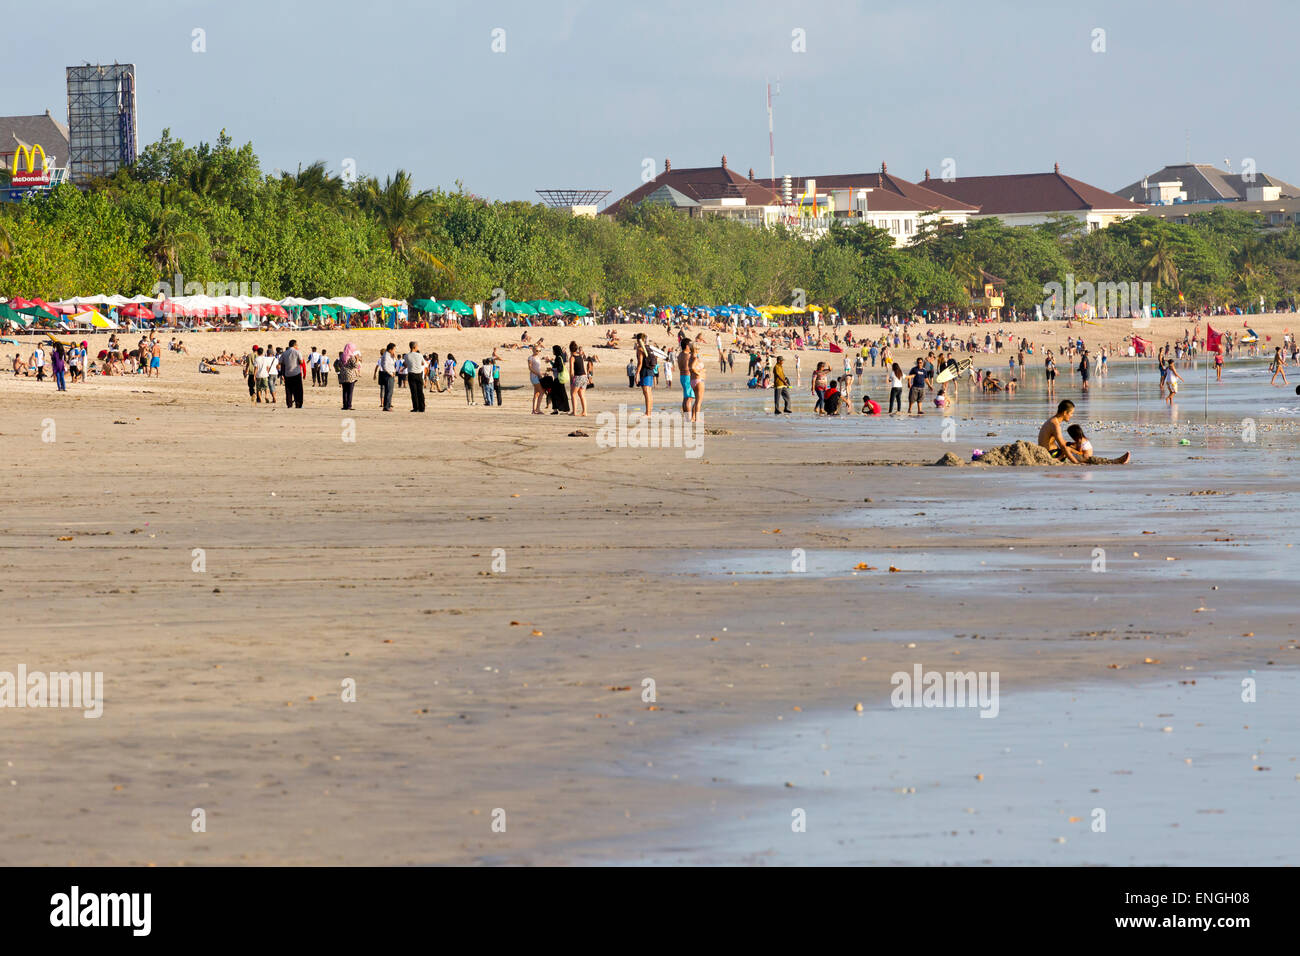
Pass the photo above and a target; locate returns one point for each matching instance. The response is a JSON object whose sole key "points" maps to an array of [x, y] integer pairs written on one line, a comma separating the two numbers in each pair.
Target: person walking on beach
{"points": [[250, 373], [468, 374], [1278, 367], [917, 384], [1085, 367], [291, 372], [578, 379], [349, 366], [1049, 369], [496, 378], [559, 381], [313, 363], [265, 382], [60, 366], [698, 373], [895, 388], [684, 374], [535, 373], [323, 369], [1171, 380], [386, 373], [155, 359], [818, 386], [645, 370], [780, 387], [415, 365]]}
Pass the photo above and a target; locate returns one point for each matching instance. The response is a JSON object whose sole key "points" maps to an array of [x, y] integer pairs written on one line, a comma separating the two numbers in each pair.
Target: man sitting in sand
{"points": [[1051, 438]]}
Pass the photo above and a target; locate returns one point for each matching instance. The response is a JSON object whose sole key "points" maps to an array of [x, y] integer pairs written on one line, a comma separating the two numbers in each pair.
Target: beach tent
{"points": [[350, 303], [9, 314], [37, 312]]}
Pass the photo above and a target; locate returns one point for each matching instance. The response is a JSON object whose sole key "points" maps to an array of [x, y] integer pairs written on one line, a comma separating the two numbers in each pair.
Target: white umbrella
{"points": [[349, 302]]}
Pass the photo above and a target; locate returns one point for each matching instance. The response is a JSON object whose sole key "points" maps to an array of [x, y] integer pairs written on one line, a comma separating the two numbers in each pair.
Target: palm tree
{"points": [[315, 184], [403, 214], [1160, 268], [6, 240], [166, 234]]}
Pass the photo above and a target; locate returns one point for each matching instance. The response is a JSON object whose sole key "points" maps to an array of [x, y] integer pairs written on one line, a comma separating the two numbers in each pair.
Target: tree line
{"points": [[210, 213]]}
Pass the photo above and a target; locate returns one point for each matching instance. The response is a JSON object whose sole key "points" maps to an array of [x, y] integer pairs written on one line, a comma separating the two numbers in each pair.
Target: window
{"points": [[895, 228]]}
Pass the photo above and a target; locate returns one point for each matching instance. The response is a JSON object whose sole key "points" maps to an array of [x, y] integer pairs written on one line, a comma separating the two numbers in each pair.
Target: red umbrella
{"points": [[168, 307], [273, 308]]}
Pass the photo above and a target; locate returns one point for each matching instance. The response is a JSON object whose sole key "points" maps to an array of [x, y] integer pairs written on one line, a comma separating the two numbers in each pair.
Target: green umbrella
{"points": [[36, 312], [458, 306], [10, 314], [425, 305]]}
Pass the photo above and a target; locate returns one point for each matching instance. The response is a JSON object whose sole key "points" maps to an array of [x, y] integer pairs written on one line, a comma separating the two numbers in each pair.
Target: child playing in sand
{"points": [[1079, 441], [869, 407], [941, 400]]}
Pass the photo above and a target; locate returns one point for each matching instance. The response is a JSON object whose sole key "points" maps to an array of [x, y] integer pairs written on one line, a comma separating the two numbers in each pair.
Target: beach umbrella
{"points": [[457, 306], [102, 322], [84, 318], [37, 312], [424, 305], [382, 303], [9, 314], [350, 303]]}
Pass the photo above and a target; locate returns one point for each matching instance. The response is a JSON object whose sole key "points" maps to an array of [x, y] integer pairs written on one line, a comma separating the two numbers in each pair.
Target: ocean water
{"points": [[1178, 772]]}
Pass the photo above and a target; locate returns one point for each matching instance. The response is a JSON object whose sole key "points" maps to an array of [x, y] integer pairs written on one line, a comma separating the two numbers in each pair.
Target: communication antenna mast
{"points": [[771, 140]]}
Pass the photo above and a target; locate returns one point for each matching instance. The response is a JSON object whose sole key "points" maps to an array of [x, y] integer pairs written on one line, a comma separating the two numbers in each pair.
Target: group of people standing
{"points": [[561, 380], [648, 360]]}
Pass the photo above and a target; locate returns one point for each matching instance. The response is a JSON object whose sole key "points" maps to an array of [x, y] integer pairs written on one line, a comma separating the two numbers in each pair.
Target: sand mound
{"points": [[1018, 453]]}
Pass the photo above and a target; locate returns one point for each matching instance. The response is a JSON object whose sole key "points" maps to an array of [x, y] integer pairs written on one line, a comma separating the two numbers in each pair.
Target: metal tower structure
{"points": [[101, 119], [562, 198]]}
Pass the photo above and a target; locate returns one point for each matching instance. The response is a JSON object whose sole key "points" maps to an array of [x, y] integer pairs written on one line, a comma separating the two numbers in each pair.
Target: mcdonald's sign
{"points": [[32, 176]]}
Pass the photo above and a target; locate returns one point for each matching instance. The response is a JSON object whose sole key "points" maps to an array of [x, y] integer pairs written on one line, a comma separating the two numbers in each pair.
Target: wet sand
{"points": [[480, 689]]}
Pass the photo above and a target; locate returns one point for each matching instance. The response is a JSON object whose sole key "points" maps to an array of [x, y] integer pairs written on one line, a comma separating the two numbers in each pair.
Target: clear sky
{"points": [[585, 91]]}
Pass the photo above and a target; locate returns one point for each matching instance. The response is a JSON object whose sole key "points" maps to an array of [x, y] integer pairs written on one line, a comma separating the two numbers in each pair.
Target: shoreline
{"points": [[319, 552]]}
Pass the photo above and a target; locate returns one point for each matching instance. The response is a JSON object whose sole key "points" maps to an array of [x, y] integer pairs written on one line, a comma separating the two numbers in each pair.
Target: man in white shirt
{"points": [[415, 377], [387, 376], [38, 362]]}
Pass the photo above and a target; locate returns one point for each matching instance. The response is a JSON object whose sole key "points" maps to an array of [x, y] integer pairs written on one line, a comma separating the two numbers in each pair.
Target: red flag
{"points": [[1213, 340], [835, 348]]}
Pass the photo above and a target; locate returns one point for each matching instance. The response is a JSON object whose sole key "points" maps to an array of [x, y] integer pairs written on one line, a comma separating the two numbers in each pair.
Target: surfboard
{"points": [[951, 370], [657, 352]]}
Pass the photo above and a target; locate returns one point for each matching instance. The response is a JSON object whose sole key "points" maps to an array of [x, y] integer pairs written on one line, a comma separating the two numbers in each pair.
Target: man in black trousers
{"points": [[291, 374], [415, 377]]}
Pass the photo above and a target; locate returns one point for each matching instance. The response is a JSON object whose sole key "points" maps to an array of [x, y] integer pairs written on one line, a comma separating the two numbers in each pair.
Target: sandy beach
{"points": [[498, 591]]}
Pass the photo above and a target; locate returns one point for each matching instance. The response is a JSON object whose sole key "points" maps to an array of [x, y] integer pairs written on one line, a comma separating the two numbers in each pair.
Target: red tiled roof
{"points": [[1029, 193], [888, 192], [702, 183]]}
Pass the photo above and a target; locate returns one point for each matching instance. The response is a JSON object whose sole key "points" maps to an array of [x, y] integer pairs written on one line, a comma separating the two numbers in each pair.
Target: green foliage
{"points": [[209, 213]]}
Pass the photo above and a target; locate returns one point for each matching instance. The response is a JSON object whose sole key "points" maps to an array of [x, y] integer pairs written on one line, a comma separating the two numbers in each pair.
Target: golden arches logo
{"points": [[30, 153]]}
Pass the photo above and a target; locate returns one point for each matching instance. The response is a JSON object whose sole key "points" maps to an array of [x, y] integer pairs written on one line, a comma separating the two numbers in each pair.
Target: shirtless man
{"points": [[1051, 438]]}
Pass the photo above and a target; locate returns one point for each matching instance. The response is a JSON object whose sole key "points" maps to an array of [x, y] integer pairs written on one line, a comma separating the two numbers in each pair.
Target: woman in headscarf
{"points": [[560, 380], [349, 364]]}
